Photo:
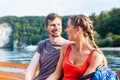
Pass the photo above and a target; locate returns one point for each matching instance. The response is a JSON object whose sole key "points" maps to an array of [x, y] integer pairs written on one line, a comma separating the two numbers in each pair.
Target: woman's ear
{"points": [[78, 28]]}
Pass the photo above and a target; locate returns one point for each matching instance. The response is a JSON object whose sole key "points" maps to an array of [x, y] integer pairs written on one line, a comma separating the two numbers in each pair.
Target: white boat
{"points": [[31, 48]]}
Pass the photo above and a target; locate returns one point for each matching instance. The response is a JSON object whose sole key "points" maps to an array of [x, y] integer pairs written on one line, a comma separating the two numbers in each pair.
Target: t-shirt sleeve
{"points": [[39, 47]]}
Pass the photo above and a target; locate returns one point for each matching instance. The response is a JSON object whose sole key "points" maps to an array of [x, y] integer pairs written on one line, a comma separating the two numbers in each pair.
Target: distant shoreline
{"points": [[110, 48]]}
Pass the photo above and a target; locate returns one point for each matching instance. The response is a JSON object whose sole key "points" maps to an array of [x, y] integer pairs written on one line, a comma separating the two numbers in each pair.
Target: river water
{"points": [[24, 56]]}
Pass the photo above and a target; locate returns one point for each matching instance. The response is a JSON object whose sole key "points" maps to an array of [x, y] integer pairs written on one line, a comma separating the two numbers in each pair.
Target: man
{"points": [[48, 50]]}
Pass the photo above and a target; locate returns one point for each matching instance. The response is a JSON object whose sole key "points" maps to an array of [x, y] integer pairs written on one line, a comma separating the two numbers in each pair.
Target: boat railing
{"points": [[7, 75]]}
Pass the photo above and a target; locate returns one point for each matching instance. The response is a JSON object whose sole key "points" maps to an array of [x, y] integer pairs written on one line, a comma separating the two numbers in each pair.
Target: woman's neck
{"points": [[82, 45]]}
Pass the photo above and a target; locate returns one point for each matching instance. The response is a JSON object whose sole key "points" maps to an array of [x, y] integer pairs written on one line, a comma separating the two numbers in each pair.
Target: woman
{"points": [[82, 56]]}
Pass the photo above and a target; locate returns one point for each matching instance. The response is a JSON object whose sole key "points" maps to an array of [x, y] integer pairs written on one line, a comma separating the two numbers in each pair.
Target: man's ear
{"points": [[45, 27]]}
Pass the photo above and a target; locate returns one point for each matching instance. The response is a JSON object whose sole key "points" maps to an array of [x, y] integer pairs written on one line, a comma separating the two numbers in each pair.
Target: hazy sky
{"points": [[62, 7]]}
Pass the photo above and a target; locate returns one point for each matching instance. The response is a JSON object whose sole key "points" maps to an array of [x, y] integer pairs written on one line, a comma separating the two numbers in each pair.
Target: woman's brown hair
{"points": [[86, 24]]}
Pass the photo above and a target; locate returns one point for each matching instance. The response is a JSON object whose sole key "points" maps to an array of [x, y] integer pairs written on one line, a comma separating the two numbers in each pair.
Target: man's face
{"points": [[54, 27]]}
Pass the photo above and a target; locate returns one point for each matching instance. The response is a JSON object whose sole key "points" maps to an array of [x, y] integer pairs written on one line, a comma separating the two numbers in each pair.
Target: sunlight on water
{"points": [[19, 56], [4, 55], [113, 58], [24, 56]]}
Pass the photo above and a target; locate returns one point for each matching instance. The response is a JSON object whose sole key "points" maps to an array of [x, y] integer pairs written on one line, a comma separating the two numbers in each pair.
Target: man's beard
{"points": [[53, 35]]}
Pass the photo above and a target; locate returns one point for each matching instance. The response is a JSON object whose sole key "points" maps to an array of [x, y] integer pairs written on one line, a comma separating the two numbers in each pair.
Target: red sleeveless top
{"points": [[74, 72]]}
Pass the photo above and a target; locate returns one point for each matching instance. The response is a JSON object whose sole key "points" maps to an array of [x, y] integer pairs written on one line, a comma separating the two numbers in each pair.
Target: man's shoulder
{"points": [[42, 42], [64, 41]]}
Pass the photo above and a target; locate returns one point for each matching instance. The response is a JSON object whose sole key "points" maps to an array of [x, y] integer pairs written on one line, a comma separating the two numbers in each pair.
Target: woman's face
{"points": [[71, 31]]}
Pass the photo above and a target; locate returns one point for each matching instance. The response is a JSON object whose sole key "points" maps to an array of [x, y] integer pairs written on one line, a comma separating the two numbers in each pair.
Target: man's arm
{"points": [[32, 67]]}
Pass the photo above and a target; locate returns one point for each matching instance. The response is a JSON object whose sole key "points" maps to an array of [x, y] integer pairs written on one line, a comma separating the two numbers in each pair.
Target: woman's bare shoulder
{"points": [[64, 46], [98, 57]]}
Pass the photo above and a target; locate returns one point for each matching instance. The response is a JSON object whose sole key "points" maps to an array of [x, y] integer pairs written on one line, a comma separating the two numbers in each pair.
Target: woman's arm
{"points": [[58, 72], [94, 63], [32, 66]]}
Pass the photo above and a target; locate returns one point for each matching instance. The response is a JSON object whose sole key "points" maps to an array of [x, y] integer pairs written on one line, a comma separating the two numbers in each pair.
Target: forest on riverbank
{"points": [[29, 30]]}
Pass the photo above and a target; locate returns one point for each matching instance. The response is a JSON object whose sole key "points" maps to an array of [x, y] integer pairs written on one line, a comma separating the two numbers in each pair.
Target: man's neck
{"points": [[56, 40]]}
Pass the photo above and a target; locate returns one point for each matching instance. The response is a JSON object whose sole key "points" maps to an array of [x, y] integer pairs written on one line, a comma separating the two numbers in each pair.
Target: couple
{"points": [[71, 59]]}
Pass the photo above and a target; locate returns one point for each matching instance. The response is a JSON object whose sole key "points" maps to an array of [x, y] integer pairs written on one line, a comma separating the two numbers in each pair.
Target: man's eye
{"points": [[58, 24]]}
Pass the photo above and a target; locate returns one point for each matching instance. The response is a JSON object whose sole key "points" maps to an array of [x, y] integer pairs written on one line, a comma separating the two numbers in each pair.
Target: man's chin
{"points": [[55, 35]]}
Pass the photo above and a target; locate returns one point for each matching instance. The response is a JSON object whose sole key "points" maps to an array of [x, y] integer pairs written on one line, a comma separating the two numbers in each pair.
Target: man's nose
{"points": [[56, 26]]}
